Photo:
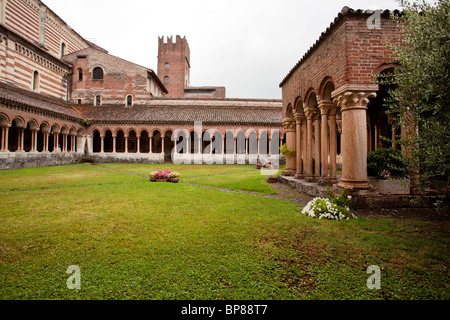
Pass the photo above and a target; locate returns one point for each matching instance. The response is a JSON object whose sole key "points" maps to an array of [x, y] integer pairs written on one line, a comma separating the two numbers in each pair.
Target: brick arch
{"points": [[4, 120], [326, 88], [385, 65], [289, 111], [64, 130], [299, 106], [311, 99], [22, 120], [36, 124], [131, 129]]}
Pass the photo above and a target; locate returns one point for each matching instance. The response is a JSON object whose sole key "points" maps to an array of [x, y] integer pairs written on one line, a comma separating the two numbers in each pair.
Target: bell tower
{"points": [[174, 65]]}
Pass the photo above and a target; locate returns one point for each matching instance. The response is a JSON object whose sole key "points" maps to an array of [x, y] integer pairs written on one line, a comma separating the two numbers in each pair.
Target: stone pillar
{"points": [[45, 142], [150, 141], [20, 140], [102, 144], [333, 145], [299, 118], [138, 144], [114, 144], [309, 145], [353, 101], [317, 147], [126, 143], [34, 140], [4, 142], [289, 127], [324, 107]]}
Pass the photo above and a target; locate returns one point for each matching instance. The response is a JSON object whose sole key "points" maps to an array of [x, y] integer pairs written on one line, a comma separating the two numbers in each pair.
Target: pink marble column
{"points": [[333, 145], [353, 102], [309, 145], [299, 118], [289, 127], [324, 107], [317, 147]]}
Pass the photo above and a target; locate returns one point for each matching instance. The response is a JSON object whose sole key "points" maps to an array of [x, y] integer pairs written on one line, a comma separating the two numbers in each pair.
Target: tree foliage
{"points": [[421, 95]]}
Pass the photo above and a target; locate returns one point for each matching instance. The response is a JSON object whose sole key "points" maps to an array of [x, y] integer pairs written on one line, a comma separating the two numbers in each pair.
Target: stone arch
{"points": [[96, 141], [29, 138], [120, 141], [240, 142], [144, 141], [252, 143], [132, 141], [156, 141], [217, 142], [229, 142], [108, 141]]}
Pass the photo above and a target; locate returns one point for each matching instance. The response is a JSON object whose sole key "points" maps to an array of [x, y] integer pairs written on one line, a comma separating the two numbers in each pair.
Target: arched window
{"points": [[63, 49], [80, 74], [166, 79], [97, 73], [35, 81], [129, 101], [167, 66], [98, 100]]}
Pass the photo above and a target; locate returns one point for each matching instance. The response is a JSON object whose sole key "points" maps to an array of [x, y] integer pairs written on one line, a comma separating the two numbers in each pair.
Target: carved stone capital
{"points": [[354, 97], [288, 124]]}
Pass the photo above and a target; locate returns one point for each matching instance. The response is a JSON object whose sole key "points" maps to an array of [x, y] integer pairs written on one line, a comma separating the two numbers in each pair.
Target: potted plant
{"points": [[174, 177], [161, 176], [152, 176], [272, 178], [259, 165], [387, 171]]}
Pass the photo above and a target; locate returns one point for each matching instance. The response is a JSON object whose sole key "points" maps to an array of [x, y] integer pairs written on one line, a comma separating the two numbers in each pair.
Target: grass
{"points": [[134, 239]]}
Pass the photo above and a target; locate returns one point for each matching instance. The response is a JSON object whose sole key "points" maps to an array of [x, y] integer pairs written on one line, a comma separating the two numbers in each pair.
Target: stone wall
{"points": [[20, 160]]}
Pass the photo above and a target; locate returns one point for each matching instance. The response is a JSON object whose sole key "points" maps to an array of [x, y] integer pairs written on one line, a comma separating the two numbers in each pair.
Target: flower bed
{"points": [[334, 207], [164, 176]]}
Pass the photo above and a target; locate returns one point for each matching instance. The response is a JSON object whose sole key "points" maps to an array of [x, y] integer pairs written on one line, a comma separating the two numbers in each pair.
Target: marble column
{"points": [[299, 119], [309, 145], [353, 101], [289, 127], [317, 147], [333, 145]]}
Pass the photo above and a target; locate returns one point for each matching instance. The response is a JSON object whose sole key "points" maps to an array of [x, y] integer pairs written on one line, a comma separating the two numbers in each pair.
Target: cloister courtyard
{"points": [[221, 232]]}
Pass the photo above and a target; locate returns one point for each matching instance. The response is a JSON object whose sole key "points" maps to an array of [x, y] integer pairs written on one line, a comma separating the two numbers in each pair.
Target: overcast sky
{"points": [[248, 46]]}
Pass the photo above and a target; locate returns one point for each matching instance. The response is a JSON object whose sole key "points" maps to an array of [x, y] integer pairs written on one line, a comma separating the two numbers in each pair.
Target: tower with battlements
{"points": [[174, 65]]}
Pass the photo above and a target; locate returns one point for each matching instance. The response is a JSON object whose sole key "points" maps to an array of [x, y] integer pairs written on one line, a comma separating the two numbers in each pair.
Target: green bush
{"points": [[385, 163]]}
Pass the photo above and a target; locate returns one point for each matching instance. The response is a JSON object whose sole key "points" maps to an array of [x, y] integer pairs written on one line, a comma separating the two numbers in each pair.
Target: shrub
{"points": [[334, 207], [287, 151], [174, 175], [385, 163]]}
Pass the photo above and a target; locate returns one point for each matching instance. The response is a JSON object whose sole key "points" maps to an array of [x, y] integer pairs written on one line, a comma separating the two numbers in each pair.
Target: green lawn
{"points": [[134, 239]]}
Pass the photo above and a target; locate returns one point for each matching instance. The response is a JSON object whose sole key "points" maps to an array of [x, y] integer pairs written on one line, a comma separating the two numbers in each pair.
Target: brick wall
{"points": [[120, 79], [37, 23], [347, 53]]}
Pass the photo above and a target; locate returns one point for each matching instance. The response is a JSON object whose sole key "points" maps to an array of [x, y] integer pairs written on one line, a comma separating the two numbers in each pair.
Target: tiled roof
{"points": [[182, 114], [346, 11], [18, 95]]}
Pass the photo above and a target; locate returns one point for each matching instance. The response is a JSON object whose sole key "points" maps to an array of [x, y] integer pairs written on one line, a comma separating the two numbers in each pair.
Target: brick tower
{"points": [[174, 65]]}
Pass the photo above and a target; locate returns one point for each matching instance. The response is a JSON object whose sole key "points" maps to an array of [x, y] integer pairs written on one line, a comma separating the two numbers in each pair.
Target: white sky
{"points": [[248, 46]]}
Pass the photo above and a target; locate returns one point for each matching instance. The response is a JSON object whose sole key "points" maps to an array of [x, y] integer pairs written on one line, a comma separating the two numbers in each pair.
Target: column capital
{"points": [[325, 106], [354, 96], [299, 117], [288, 124]]}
